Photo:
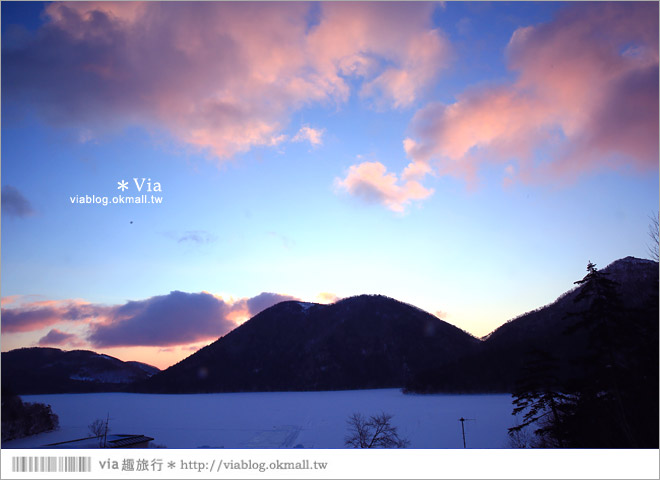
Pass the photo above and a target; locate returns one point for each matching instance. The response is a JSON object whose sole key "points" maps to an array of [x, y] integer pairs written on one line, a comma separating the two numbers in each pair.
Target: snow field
{"points": [[278, 419]]}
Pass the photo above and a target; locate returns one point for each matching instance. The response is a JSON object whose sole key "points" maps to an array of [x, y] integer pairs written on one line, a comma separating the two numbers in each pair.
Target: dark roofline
{"points": [[125, 440], [70, 441], [129, 440]]}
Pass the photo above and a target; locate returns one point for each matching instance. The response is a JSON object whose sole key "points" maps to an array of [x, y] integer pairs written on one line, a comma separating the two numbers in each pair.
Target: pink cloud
{"points": [[8, 300], [265, 300], [178, 318], [219, 76], [424, 55], [353, 38], [586, 98], [57, 337], [165, 320], [37, 315], [370, 182], [327, 297], [312, 135]]}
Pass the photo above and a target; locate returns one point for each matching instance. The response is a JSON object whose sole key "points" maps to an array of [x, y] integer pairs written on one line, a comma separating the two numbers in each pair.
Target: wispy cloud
{"points": [[10, 299], [312, 135], [197, 237], [287, 242], [14, 203], [37, 315], [57, 337], [191, 237]]}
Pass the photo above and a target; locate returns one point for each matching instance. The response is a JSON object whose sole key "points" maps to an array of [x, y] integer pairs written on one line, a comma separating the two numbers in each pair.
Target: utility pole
{"points": [[105, 434], [463, 420]]}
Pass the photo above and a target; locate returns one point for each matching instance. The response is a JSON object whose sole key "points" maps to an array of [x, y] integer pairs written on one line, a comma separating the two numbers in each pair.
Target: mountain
{"points": [[504, 352], [146, 368], [50, 370], [368, 341]]}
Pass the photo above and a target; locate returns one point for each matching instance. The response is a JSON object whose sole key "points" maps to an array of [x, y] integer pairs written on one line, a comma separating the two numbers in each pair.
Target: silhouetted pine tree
{"points": [[601, 416], [539, 396], [612, 399]]}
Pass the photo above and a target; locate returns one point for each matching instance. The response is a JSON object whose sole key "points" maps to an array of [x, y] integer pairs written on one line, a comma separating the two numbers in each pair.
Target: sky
{"points": [[466, 158]]}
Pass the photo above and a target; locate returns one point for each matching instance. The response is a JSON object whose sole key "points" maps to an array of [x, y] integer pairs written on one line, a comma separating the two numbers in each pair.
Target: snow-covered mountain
{"points": [[51, 370], [368, 341], [371, 341], [505, 351]]}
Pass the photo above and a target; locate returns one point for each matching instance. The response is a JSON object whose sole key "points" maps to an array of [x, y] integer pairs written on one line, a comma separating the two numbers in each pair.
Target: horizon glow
{"points": [[465, 158]]}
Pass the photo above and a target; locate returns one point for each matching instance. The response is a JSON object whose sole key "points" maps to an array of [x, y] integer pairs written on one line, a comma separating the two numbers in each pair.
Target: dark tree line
{"points": [[21, 419], [611, 400]]}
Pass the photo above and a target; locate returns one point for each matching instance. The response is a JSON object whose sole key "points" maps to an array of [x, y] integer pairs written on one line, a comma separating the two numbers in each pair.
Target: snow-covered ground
{"points": [[278, 420]]}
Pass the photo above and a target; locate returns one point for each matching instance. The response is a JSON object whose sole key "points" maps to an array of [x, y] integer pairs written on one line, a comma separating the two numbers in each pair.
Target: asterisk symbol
{"points": [[123, 185], [171, 465]]}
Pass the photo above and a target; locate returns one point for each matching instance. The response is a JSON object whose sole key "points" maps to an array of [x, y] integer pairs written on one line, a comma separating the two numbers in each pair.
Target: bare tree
{"points": [[520, 438], [99, 428], [375, 432], [654, 235]]}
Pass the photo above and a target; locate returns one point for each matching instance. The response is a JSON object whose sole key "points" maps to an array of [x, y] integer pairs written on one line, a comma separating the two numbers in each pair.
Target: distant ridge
{"points": [[371, 341], [505, 351], [51, 370], [367, 341]]}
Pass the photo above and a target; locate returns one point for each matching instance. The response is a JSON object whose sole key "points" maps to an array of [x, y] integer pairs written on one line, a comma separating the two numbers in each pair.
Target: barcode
{"points": [[51, 464]]}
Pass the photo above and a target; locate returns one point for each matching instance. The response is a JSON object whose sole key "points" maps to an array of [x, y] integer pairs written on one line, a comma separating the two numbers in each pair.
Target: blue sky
{"points": [[283, 162]]}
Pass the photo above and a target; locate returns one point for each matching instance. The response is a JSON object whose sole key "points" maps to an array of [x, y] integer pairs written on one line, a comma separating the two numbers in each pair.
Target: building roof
{"points": [[112, 441], [128, 440]]}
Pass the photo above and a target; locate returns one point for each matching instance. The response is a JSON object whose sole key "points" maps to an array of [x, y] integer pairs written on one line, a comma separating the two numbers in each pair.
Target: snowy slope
{"points": [[51, 370]]}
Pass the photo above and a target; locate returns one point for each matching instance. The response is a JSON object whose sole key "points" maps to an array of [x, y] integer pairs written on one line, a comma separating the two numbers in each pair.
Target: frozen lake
{"points": [[278, 420]]}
